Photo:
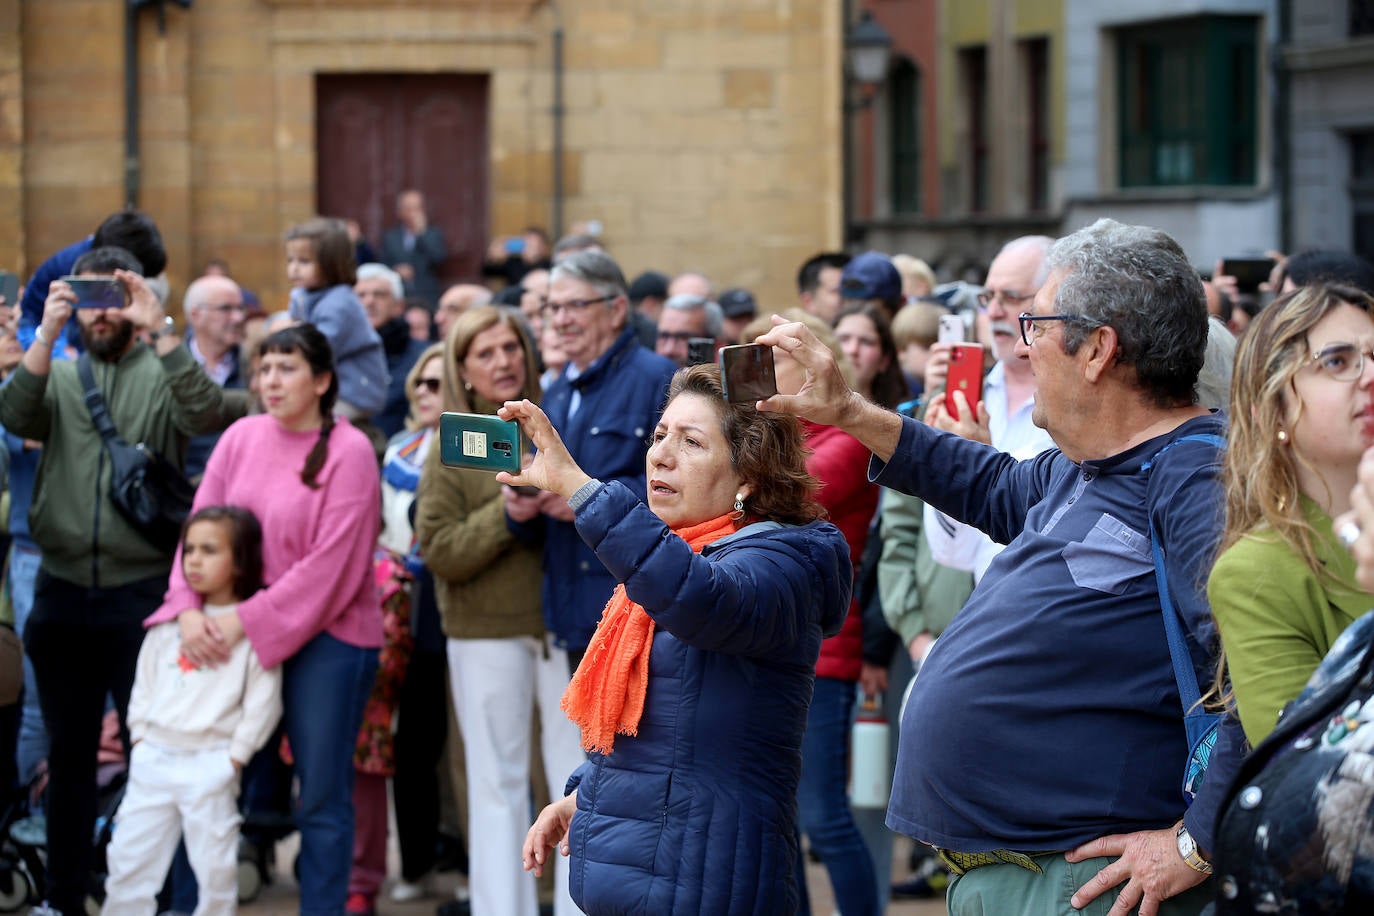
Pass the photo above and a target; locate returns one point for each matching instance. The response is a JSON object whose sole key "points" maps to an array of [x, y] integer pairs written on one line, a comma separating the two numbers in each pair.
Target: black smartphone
{"points": [[96, 292], [746, 373], [700, 350], [9, 287], [1249, 272], [526, 491]]}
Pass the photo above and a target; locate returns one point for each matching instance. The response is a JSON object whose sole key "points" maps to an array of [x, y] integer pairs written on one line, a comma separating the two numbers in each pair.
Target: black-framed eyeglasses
{"points": [[1343, 362], [677, 336], [1007, 296], [224, 309], [550, 309], [430, 384], [1027, 322]]}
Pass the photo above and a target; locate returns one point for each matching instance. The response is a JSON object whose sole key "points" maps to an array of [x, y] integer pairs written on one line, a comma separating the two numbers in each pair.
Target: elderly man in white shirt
{"points": [[1004, 416]]}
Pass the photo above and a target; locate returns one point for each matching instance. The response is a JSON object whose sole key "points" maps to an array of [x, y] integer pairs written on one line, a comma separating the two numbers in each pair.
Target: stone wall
{"points": [[701, 133]]}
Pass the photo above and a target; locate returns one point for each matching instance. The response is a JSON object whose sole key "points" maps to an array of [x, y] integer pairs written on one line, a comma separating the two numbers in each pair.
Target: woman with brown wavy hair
{"points": [[692, 696], [1302, 414]]}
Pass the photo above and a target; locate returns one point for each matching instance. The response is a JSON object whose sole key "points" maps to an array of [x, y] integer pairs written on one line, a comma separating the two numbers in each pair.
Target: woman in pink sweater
{"points": [[312, 480]]}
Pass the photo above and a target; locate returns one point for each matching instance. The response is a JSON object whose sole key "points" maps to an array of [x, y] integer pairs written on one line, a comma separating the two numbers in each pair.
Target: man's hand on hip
{"points": [[1147, 863]]}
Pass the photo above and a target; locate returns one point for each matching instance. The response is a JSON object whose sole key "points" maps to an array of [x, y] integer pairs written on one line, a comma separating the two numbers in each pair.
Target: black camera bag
{"points": [[151, 493]]}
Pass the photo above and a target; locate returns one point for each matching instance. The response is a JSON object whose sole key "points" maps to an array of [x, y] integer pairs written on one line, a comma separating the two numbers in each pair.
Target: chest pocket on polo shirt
{"points": [[1109, 557], [619, 446]]}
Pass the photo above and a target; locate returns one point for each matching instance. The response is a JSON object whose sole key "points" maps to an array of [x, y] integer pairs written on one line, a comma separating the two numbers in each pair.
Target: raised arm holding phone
{"points": [[1059, 649]]}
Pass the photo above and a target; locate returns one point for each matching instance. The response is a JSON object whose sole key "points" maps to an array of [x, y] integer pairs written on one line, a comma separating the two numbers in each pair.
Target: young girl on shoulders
{"points": [[193, 730], [320, 265]]}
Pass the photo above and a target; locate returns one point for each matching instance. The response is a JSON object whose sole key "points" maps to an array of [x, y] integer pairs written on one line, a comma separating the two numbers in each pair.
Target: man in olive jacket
{"points": [[99, 576]]}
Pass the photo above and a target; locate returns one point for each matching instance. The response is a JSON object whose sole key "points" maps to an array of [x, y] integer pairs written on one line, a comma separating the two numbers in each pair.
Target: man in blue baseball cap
{"points": [[870, 279]]}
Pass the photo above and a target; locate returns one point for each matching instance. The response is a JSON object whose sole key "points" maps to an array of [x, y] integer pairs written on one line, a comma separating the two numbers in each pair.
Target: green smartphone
{"points": [[479, 441]]}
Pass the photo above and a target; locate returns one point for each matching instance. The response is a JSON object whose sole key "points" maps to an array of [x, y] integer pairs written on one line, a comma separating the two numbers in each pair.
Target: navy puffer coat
{"points": [[697, 813]]}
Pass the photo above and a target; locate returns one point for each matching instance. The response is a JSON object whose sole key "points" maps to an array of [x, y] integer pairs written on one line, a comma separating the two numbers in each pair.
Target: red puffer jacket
{"points": [[840, 463]]}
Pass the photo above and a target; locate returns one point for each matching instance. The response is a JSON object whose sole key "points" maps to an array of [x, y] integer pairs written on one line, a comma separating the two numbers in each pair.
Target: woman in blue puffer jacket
{"points": [[693, 695]]}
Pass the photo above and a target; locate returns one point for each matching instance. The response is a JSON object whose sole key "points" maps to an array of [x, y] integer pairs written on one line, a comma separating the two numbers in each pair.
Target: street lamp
{"points": [[868, 52], [867, 55]]}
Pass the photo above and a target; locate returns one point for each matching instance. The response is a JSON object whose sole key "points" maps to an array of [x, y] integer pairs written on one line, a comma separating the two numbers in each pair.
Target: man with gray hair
{"points": [[683, 317], [214, 331], [605, 404], [1043, 746], [382, 293], [456, 300]]}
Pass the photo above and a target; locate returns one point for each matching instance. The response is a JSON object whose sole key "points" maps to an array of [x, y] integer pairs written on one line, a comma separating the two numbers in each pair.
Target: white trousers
{"points": [[496, 683], [173, 793]]}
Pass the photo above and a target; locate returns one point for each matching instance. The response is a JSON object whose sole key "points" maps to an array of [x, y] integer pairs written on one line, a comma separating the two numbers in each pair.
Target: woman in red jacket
{"points": [[840, 463]]}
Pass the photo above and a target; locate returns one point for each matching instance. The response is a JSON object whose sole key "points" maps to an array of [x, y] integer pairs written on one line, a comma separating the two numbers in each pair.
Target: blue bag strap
{"points": [[1185, 675]]}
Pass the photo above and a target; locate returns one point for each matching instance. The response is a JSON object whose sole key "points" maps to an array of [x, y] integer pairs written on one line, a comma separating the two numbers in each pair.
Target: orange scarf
{"points": [[606, 695]]}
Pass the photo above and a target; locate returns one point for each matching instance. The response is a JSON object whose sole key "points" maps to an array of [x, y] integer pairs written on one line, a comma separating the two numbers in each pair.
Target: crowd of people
{"points": [[659, 629]]}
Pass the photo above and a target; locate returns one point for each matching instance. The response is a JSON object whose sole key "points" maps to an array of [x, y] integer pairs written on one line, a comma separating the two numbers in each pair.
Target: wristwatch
{"points": [[1187, 849], [168, 326]]}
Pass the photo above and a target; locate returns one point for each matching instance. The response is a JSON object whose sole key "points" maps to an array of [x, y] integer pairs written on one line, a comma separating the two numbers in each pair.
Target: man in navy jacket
{"points": [[604, 406], [1043, 746]]}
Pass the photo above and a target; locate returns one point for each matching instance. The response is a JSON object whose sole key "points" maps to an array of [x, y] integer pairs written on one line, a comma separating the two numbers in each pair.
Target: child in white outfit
{"points": [[193, 729]]}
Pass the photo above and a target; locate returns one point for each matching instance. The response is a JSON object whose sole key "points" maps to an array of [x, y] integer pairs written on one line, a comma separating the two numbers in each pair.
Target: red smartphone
{"points": [[966, 375]]}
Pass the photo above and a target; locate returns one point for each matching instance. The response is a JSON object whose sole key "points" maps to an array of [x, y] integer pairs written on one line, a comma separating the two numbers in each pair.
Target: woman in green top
{"points": [[1302, 413]]}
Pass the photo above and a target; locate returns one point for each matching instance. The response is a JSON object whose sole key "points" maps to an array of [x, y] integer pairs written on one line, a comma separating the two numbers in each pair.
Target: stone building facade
{"points": [[701, 134]]}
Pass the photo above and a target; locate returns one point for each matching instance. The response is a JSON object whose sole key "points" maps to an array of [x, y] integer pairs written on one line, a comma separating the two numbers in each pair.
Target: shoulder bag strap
{"points": [[95, 401], [1185, 675]]}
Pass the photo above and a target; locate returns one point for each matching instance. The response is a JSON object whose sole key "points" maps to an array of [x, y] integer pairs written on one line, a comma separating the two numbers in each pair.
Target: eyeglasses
{"points": [[430, 384], [550, 309], [1008, 298], [1027, 321], [1343, 362], [223, 309], [677, 336]]}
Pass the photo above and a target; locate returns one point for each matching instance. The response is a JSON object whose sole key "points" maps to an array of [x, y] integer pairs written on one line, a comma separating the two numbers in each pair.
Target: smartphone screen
{"points": [[966, 375], [951, 329], [96, 292], [700, 350], [1249, 272], [746, 373], [479, 441], [9, 287]]}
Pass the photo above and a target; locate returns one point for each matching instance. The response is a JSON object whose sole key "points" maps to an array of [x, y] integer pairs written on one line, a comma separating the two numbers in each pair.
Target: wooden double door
{"points": [[379, 133]]}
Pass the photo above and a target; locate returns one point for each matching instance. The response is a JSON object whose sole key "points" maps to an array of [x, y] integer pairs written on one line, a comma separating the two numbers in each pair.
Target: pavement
{"points": [[279, 898]]}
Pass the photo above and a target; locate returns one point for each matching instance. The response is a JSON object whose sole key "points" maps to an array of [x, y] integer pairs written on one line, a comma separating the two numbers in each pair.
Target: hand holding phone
{"points": [[965, 375], [746, 373], [1249, 272]]}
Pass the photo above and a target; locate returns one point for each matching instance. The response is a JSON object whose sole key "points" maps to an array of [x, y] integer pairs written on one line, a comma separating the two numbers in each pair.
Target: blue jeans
{"points": [[324, 688], [33, 736], [823, 802]]}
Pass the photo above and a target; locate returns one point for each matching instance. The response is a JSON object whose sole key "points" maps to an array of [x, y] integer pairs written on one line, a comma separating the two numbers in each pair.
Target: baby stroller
{"points": [[23, 857], [24, 841]]}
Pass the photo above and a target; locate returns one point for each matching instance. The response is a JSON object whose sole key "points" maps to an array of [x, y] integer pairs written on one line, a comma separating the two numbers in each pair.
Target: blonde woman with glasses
{"points": [[1302, 414]]}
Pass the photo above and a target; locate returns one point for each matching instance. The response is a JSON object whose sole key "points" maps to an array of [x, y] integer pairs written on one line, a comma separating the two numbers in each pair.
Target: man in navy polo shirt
{"points": [[1043, 746]]}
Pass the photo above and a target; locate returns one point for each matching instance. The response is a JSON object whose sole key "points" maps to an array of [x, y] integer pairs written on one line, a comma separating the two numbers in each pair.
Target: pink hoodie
{"points": [[317, 544]]}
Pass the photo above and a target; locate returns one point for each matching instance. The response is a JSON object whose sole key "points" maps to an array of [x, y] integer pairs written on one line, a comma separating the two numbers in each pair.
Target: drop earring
{"points": [[738, 514]]}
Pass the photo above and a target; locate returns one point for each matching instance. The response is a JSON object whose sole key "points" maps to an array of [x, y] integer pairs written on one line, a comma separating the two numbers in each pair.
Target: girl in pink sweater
{"points": [[312, 480]]}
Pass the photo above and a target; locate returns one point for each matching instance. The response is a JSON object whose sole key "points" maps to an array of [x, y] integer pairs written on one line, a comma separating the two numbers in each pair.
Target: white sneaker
{"points": [[405, 892]]}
